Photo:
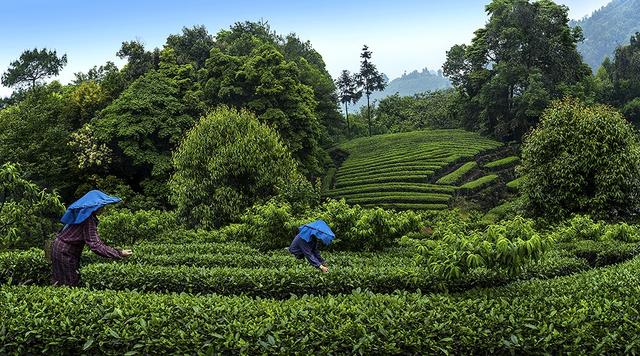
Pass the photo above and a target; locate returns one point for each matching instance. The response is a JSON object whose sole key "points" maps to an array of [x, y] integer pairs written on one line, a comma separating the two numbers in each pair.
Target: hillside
{"points": [[607, 28], [420, 169], [410, 84]]}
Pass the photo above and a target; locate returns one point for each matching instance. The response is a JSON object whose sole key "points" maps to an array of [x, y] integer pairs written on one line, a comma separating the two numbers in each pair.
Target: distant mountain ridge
{"points": [[607, 28], [409, 84]]}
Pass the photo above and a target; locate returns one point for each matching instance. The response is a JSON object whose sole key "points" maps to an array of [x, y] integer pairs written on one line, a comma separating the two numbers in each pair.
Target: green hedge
{"points": [[515, 184], [407, 206], [480, 182], [394, 187], [602, 253], [589, 313], [408, 179], [502, 162], [24, 267], [398, 198], [377, 274], [455, 176]]}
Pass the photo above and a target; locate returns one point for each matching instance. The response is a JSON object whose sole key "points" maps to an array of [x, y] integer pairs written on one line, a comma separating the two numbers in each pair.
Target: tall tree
{"points": [[524, 57], [32, 67], [369, 79], [192, 46], [270, 86], [624, 72], [139, 60], [348, 92]]}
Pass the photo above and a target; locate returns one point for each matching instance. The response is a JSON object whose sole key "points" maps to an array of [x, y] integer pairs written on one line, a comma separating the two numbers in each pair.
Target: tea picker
{"points": [[80, 228], [305, 244]]}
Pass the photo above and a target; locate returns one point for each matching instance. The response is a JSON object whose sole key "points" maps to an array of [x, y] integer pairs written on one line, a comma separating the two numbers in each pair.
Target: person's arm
{"points": [[312, 255], [91, 238], [316, 253]]}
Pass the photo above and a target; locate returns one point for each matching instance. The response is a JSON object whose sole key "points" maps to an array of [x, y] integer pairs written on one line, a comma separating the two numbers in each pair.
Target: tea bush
{"points": [[508, 246], [273, 225], [228, 162], [581, 159], [124, 228], [586, 313]]}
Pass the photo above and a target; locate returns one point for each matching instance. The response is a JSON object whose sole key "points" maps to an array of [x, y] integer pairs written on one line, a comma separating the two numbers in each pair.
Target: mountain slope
{"points": [[410, 84], [607, 28]]}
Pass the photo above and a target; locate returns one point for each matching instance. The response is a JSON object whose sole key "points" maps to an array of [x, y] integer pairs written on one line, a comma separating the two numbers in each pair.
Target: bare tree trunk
{"points": [[346, 110], [369, 115]]}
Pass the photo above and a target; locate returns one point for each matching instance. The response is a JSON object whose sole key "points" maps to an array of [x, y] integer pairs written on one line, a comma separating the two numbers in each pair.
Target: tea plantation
{"points": [[207, 297], [420, 170]]}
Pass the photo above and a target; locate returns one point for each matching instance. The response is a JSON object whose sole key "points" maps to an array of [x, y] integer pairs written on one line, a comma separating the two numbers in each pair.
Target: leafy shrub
{"points": [[274, 224], [581, 159], [227, 163], [507, 246], [602, 253], [359, 229], [578, 228], [124, 228], [28, 214], [267, 226], [24, 267], [621, 232]]}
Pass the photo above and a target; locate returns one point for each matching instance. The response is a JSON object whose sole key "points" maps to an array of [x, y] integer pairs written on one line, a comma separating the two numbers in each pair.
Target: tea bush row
{"points": [[480, 182], [502, 162], [590, 313], [392, 187], [456, 175]]}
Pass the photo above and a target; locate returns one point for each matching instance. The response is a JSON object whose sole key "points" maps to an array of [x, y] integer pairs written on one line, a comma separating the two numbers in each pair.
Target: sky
{"points": [[404, 35]]}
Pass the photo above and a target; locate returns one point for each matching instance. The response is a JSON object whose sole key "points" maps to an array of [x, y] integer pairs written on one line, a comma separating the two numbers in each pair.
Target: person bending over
{"points": [[80, 229]]}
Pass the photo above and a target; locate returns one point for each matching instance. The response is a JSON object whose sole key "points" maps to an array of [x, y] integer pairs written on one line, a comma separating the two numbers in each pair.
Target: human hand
{"points": [[126, 253], [324, 269]]}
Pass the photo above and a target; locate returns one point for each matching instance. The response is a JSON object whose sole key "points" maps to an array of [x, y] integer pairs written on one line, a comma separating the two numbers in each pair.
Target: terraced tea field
{"points": [[399, 170]]}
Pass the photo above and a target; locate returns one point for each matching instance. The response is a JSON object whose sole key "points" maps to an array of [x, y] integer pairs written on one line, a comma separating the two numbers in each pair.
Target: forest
{"points": [[498, 215]]}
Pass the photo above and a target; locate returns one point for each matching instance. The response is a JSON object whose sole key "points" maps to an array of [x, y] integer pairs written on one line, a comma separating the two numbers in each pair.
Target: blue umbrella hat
{"points": [[82, 208], [319, 229]]}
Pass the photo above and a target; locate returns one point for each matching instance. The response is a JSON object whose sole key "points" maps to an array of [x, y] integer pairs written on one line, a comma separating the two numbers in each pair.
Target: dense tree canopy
{"points": [[32, 67], [619, 79], [432, 110], [228, 162], [35, 133], [581, 159], [28, 214], [268, 85], [192, 46], [523, 57], [139, 131]]}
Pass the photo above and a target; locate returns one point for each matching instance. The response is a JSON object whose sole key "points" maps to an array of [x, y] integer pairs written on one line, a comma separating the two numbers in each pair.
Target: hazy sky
{"points": [[403, 34]]}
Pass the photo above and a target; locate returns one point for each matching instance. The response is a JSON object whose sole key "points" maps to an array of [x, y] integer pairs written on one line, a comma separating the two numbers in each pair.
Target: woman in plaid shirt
{"points": [[80, 229]]}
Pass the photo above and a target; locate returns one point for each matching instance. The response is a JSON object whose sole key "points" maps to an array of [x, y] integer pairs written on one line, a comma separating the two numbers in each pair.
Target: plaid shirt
{"points": [[67, 249]]}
